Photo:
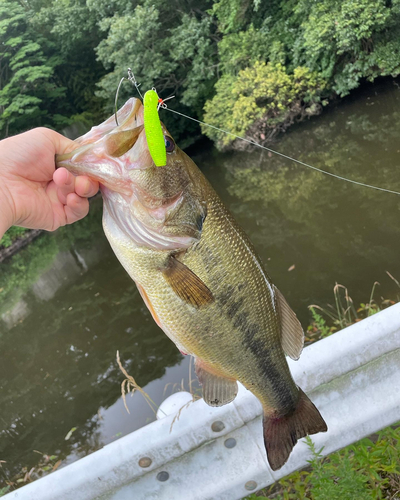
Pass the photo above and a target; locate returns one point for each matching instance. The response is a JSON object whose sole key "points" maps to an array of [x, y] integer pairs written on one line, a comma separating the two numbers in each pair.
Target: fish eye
{"points": [[169, 143]]}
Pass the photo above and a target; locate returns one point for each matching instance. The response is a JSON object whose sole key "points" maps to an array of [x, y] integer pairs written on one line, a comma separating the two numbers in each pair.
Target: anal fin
{"points": [[218, 390], [292, 334]]}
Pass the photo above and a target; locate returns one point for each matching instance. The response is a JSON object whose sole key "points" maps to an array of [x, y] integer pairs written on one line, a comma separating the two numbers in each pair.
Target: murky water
{"points": [[67, 306]]}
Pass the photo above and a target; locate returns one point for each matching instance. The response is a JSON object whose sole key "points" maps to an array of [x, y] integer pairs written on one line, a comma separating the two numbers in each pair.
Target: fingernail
{"points": [[68, 180], [87, 188]]}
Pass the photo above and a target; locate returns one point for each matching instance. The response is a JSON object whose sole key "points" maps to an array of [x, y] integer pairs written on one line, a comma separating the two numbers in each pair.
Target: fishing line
{"points": [[132, 79], [283, 155]]}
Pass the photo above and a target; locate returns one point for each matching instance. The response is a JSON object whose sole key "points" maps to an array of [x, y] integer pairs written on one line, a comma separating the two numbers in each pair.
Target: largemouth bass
{"points": [[198, 274]]}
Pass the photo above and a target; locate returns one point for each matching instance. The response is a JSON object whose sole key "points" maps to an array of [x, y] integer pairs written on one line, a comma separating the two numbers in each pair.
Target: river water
{"points": [[67, 306]]}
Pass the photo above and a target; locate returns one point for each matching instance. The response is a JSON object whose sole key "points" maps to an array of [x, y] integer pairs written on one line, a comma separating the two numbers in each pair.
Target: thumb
{"points": [[60, 143]]}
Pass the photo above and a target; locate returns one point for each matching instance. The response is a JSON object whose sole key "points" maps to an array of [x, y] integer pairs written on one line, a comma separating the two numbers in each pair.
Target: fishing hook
{"points": [[132, 79]]}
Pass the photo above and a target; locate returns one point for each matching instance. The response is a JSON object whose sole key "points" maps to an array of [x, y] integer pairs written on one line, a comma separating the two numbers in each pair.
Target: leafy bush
{"points": [[347, 41], [263, 96], [11, 235]]}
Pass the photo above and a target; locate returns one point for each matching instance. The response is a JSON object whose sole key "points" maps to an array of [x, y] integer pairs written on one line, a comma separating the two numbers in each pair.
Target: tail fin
{"points": [[281, 434]]}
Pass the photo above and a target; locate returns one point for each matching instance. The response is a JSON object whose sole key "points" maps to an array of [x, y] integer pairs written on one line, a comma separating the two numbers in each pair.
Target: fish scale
{"points": [[200, 276], [211, 333]]}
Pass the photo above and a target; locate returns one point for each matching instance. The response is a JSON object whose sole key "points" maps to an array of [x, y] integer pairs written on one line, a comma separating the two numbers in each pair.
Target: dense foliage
{"points": [[248, 66], [14, 233]]}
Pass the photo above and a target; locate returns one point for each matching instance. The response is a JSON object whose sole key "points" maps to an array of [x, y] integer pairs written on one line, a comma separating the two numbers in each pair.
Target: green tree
{"points": [[350, 40], [333, 45], [25, 73], [61, 61], [73, 32], [48, 67], [169, 45]]}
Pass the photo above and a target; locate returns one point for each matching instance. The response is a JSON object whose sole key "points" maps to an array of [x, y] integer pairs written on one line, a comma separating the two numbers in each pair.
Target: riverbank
{"points": [[248, 67], [10, 244]]}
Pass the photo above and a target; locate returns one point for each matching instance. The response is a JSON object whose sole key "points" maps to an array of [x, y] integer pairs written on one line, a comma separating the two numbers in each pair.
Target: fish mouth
{"points": [[105, 152]]}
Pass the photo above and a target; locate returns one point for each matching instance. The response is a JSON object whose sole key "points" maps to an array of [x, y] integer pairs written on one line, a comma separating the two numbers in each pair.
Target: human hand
{"points": [[32, 193]]}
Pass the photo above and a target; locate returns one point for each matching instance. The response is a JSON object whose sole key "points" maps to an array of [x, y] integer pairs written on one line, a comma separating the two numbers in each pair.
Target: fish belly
{"points": [[238, 334]]}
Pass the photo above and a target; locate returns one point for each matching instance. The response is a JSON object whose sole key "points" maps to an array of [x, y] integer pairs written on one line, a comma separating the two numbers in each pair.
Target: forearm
{"points": [[6, 218], [3, 226]]}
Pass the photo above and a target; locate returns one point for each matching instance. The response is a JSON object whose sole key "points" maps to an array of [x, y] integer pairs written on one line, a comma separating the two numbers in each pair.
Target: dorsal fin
{"points": [[218, 390], [292, 334], [186, 284]]}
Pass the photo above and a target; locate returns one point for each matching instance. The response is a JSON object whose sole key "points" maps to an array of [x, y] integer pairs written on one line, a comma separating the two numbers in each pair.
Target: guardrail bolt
{"points": [[218, 426], [163, 476], [145, 462], [230, 443], [250, 485]]}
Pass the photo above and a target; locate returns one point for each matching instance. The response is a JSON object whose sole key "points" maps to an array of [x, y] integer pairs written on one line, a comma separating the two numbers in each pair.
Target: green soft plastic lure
{"points": [[152, 127]]}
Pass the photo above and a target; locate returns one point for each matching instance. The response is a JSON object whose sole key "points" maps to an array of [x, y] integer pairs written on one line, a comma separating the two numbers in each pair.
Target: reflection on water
{"points": [[331, 231], [58, 343], [67, 306]]}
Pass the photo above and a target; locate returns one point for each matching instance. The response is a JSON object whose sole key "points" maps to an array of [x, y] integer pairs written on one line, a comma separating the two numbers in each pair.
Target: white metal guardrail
{"points": [[218, 453]]}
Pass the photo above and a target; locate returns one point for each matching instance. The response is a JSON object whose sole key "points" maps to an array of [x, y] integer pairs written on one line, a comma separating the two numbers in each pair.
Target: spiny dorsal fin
{"points": [[122, 141], [187, 285], [292, 334], [217, 389]]}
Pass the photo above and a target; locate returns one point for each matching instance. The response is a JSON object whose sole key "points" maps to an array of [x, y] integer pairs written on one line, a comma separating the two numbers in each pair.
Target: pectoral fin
{"points": [[122, 141], [186, 284], [292, 334], [218, 390]]}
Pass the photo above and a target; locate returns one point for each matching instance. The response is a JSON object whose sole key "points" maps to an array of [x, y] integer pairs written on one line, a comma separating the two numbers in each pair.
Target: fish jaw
{"points": [[89, 160], [129, 116], [161, 208], [109, 151]]}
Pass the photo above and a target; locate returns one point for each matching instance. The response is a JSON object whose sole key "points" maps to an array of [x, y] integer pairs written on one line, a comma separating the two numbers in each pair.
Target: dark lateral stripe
{"points": [[274, 376]]}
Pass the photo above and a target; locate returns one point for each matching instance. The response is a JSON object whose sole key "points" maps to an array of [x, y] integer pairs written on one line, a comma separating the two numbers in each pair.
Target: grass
{"points": [[367, 470], [129, 386], [46, 464], [328, 320]]}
